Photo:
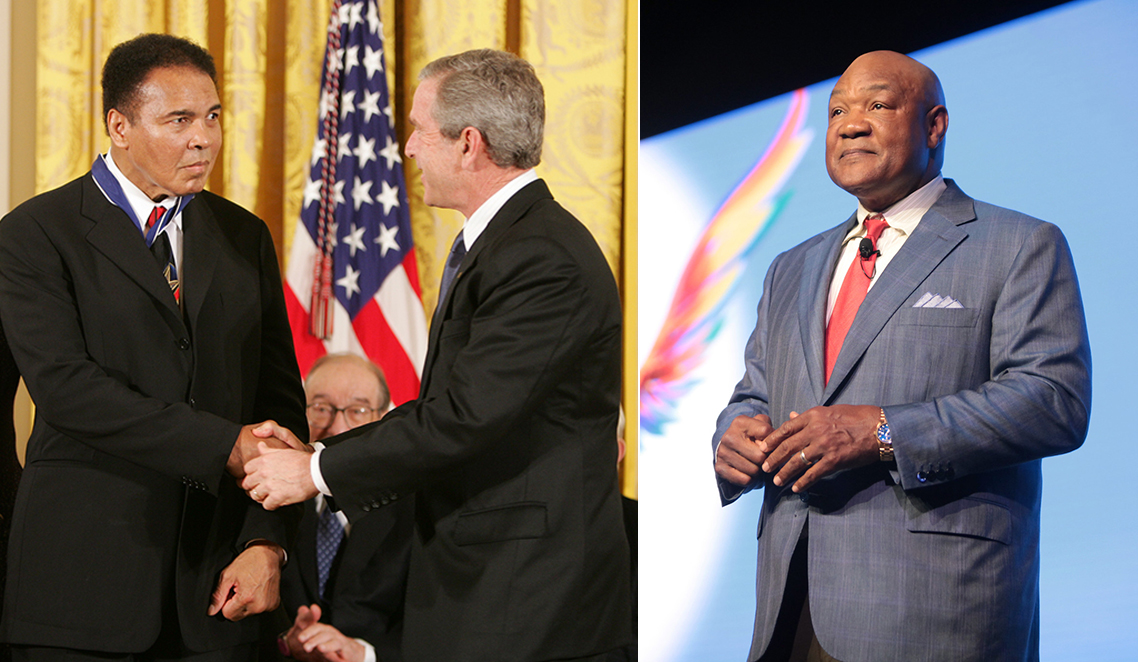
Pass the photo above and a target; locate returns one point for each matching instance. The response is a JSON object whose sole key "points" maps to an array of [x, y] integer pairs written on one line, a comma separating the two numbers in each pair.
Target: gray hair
{"points": [[497, 93], [383, 396]]}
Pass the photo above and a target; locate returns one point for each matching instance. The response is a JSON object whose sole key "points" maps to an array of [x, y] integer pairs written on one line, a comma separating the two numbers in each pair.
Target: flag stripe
{"points": [[396, 293], [298, 275], [375, 337]]}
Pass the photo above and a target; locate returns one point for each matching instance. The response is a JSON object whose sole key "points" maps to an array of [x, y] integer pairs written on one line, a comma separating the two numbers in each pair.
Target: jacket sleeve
{"points": [[751, 396], [280, 396]]}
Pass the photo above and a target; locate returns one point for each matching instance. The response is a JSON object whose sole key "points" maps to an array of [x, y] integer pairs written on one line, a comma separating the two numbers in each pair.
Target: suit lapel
{"points": [[814, 289], [116, 237], [935, 237], [200, 248], [510, 213]]}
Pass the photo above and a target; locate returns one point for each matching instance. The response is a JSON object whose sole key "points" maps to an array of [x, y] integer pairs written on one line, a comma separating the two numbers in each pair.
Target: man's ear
{"points": [[936, 125], [117, 125], [471, 144]]}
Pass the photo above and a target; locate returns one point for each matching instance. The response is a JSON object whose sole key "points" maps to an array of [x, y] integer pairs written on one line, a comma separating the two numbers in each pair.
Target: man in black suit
{"points": [[519, 550], [347, 607], [131, 538]]}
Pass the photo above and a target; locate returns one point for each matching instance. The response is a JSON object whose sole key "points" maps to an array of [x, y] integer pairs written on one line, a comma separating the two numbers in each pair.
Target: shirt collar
{"points": [[906, 213], [139, 202], [482, 216]]}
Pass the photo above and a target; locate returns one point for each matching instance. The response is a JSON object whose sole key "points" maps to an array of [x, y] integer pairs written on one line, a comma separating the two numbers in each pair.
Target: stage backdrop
{"points": [[1042, 120]]}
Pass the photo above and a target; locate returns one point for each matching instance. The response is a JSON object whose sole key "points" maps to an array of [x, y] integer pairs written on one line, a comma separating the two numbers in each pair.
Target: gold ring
{"points": [[802, 454]]}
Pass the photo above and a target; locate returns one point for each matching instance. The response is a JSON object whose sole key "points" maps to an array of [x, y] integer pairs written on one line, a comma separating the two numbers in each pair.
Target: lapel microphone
{"points": [[866, 250]]}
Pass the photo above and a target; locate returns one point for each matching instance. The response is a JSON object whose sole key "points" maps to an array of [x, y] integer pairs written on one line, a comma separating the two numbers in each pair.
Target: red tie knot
{"points": [[875, 224]]}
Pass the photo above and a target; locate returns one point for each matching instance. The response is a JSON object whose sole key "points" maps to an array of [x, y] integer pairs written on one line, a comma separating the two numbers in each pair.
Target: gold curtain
{"points": [[269, 55]]}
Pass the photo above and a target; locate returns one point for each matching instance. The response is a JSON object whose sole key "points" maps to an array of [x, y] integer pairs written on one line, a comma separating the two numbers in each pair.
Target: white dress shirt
{"points": [[902, 217]]}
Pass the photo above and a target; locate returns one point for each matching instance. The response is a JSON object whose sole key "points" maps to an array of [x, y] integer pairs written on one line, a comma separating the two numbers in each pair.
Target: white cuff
{"points": [[314, 469], [369, 650]]}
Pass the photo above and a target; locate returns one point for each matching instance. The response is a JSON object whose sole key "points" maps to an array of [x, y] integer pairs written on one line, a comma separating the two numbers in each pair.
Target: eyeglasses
{"points": [[321, 415]]}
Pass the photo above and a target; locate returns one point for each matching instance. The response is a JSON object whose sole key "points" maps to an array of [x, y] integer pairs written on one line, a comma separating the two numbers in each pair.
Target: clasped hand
{"points": [[278, 473], [248, 441], [819, 442]]}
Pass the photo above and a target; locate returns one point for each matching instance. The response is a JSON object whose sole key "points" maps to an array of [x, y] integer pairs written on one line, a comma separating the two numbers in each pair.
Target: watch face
{"points": [[883, 433]]}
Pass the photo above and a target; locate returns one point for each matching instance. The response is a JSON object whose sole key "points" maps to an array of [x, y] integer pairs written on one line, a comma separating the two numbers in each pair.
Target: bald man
{"points": [[908, 371], [354, 612]]}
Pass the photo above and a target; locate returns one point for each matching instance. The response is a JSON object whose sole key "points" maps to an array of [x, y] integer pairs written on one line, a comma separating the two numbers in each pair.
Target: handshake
{"points": [[272, 465]]}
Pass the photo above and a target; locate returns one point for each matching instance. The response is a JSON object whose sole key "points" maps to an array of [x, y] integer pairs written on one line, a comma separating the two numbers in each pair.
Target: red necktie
{"points": [[854, 287], [154, 216]]}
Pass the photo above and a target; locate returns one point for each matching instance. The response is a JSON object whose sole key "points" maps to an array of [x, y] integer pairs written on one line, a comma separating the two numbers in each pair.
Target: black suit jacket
{"points": [[519, 552], [368, 579], [125, 505], [9, 463]]}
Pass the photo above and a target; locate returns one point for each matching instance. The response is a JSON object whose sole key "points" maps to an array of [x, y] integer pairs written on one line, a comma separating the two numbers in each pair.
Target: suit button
{"points": [[366, 507], [922, 476], [183, 343], [804, 498], [193, 403]]}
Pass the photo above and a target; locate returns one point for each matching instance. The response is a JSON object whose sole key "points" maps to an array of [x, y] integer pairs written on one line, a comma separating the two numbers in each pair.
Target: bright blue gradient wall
{"points": [[1043, 119]]}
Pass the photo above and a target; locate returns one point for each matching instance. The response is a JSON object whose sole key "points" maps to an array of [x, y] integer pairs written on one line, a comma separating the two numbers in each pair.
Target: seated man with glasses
{"points": [[344, 585]]}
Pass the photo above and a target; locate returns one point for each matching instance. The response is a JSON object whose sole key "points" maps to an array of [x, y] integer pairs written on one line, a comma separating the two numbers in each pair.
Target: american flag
{"points": [[352, 282]]}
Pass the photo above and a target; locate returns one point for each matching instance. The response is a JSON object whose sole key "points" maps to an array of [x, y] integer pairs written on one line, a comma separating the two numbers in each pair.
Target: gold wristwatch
{"points": [[884, 439]]}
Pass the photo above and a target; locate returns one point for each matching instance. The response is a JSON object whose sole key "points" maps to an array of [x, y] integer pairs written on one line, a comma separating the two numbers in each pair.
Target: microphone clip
{"points": [[866, 249]]}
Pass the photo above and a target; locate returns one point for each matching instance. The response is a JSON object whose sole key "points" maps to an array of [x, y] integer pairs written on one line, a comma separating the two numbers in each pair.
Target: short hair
{"points": [[497, 93], [383, 399], [131, 62]]}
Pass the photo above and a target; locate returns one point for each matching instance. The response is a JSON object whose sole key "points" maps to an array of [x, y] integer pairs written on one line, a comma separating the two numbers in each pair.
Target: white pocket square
{"points": [[930, 300]]}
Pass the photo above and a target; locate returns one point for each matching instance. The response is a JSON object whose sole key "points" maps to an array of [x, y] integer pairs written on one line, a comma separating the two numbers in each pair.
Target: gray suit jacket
{"points": [[937, 558]]}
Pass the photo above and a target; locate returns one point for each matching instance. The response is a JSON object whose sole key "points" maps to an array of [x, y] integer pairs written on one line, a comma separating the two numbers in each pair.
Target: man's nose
{"points": [[339, 423], [853, 125], [202, 137]]}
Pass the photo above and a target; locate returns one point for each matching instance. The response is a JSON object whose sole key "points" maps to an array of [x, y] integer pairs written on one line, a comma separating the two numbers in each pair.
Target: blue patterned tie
{"points": [[329, 535], [457, 252], [162, 253]]}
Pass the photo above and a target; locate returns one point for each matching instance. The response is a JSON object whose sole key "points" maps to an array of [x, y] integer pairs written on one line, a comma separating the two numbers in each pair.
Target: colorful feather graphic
{"points": [[714, 267]]}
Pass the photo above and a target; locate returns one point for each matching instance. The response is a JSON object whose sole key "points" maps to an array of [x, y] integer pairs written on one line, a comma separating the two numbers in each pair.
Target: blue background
{"points": [[1043, 119]]}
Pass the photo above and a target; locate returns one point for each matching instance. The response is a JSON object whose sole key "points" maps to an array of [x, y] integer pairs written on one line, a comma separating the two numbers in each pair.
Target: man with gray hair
{"points": [[519, 551]]}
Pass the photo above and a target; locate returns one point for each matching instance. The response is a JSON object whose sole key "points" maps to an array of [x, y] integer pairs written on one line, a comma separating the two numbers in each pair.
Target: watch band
{"points": [[884, 439]]}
